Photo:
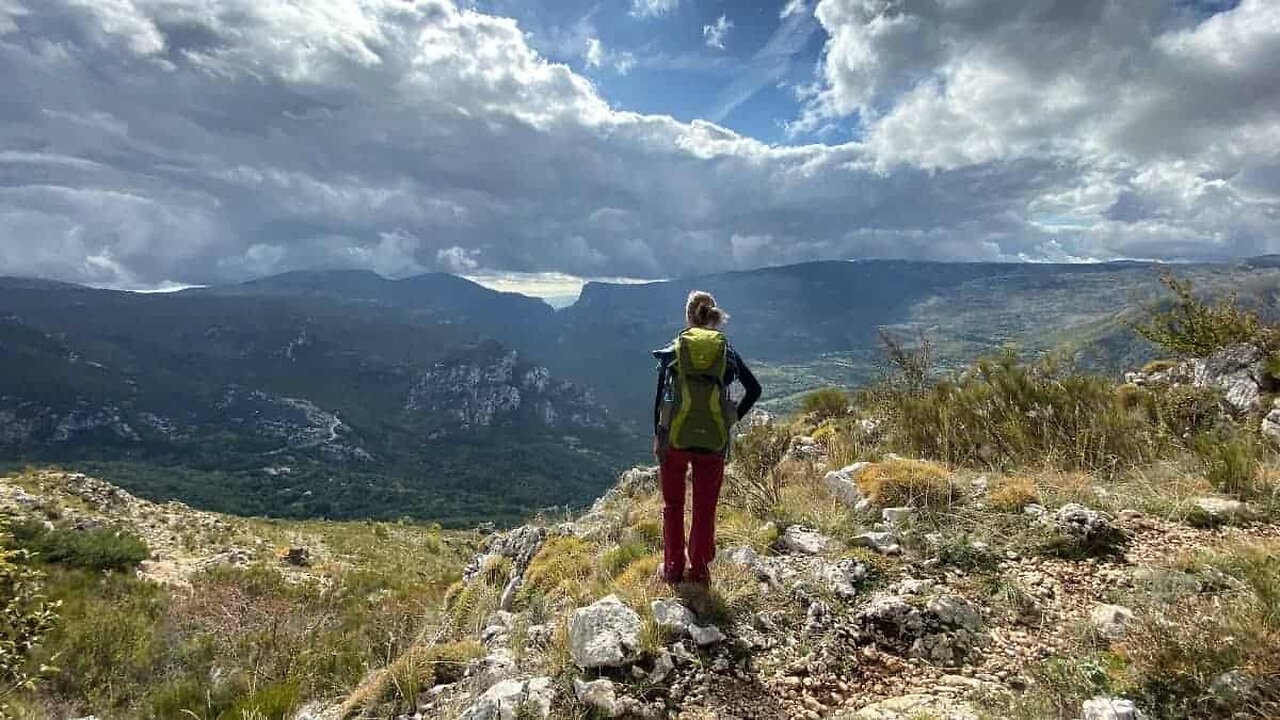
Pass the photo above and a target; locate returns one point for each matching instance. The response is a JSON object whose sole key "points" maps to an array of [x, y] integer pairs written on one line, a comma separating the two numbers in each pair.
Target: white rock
{"points": [[662, 667], [1237, 370], [955, 611], [806, 541], [897, 515], [1101, 708], [912, 707], [885, 543], [1271, 425], [842, 487], [1110, 622], [706, 635], [598, 694], [740, 555], [672, 615], [513, 698], [605, 634], [912, 586], [1219, 508]]}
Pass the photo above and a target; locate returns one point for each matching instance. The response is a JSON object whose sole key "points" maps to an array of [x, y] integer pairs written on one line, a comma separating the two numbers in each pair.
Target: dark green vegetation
{"points": [[295, 406], [95, 548], [344, 394]]}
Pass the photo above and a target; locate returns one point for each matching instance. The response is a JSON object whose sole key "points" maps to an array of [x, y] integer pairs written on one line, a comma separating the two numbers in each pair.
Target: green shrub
{"points": [[1182, 411], [99, 549], [758, 481], [560, 569], [273, 702], [26, 616], [110, 642], [1192, 327], [1232, 461], [826, 403], [614, 561], [1004, 412]]}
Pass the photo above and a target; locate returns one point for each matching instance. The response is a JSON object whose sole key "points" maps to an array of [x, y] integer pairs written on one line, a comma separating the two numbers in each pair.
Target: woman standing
{"points": [[693, 414]]}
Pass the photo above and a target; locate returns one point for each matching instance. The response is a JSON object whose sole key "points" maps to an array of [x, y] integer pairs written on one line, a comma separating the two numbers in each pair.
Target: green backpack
{"points": [[697, 412]]}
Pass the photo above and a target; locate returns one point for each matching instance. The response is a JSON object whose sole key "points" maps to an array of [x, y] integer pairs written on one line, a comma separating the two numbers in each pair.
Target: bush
{"points": [[26, 616], [1232, 461], [1193, 327], [758, 480], [1004, 412], [912, 483], [826, 403], [99, 549]]}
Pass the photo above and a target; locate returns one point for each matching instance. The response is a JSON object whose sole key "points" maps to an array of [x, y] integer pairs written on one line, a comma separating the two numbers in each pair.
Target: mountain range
{"points": [[346, 394]]}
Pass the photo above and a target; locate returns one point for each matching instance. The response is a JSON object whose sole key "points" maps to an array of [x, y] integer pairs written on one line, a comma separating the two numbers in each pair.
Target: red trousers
{"points": [[708, 475]]}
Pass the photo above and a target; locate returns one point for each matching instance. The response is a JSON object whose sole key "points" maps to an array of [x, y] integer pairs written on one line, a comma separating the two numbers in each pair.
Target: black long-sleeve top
{"points": [[735, 370]]}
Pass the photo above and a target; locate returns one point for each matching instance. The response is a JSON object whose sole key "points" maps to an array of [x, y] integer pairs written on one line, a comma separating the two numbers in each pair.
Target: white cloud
{"points": [[458, 259], [652, 8], [254, 136], [793, 7], [714, 33], [594, 55]]}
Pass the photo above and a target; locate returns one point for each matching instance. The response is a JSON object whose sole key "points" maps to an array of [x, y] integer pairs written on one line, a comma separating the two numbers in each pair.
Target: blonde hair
{"points": [[701, 311]]}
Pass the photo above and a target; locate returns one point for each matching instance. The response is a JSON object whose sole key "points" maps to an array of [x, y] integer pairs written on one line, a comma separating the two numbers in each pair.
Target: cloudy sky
{"points": [[145, 143]]}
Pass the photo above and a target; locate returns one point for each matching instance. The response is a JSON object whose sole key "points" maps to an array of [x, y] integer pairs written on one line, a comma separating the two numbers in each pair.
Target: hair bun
{"points": [[701, 310]]}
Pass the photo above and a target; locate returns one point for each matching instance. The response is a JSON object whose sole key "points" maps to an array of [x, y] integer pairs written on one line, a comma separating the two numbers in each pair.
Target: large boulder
{"points": [[519, 545], [633, 483], [605, 634], [511, 699], [1238, 371], [1219, 510], [885, 543]]}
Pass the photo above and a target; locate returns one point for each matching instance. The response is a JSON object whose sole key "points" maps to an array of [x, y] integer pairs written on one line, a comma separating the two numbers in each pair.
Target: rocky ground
{"points": [[885, 631], [182, 540]]}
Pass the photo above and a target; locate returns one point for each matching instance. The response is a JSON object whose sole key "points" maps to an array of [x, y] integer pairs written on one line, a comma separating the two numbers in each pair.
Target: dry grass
{"points": [[1012, 494], [914, 483]]}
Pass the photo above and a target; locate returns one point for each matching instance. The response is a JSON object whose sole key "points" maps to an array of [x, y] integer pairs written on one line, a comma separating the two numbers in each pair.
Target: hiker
{"points": [[693, 414]]}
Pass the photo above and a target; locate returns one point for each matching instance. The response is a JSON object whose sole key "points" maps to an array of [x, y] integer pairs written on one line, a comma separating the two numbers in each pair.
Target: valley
{"points": [[348, 395]]}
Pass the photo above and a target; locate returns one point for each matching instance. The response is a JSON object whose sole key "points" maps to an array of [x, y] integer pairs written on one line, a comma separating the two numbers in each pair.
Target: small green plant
{"points": [[1192, 327], [98, 549], [618, 559]]}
